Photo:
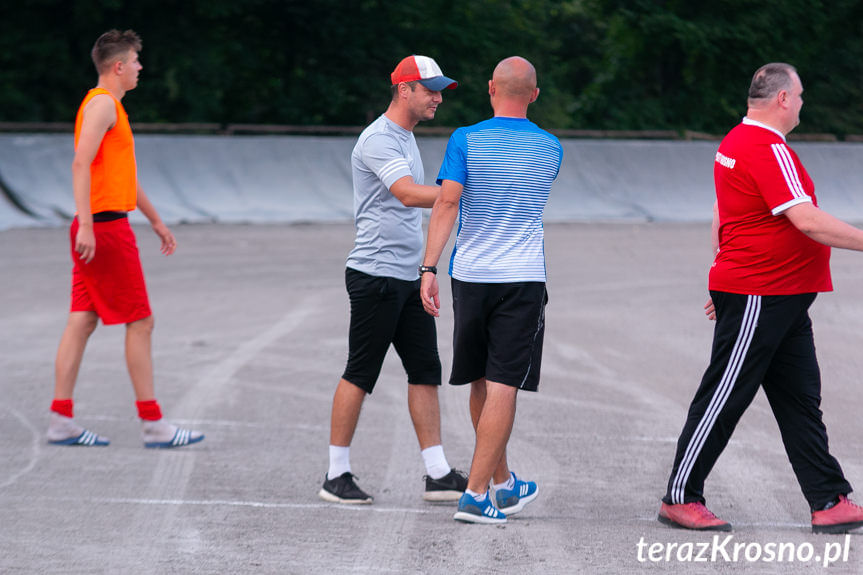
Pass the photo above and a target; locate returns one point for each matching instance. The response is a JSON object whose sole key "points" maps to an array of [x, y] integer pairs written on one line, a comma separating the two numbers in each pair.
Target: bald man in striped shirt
{"points": [[496, 177]]}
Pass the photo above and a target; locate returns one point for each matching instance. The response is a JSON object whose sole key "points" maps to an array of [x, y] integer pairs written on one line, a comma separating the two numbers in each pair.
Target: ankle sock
{"points": [[830, 504], [149, 410], [340, 461], [435, 461], [63, 406], [478, 497], [507, 485]]}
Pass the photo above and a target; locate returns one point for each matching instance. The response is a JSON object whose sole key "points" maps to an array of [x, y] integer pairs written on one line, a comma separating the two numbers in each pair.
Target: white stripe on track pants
{"points": [[759, 341]]}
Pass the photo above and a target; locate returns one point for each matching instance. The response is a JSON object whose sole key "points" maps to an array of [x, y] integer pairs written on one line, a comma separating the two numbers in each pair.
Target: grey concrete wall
{"points": [[274, 179]]}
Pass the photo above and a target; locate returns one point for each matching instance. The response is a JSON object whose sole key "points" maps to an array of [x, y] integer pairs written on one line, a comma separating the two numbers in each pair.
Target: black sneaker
{"points": [[447, 488], [342, 489]]}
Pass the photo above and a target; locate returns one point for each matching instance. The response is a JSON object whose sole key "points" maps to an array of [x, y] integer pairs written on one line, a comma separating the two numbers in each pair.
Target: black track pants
{"points": [[759, 341]]}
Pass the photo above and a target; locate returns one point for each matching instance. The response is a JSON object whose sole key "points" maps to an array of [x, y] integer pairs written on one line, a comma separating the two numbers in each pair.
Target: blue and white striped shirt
{"points": [[507, 166]]}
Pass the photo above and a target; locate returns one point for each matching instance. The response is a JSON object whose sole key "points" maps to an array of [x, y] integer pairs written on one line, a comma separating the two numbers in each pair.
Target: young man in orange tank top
{"points": [[107, 280]]}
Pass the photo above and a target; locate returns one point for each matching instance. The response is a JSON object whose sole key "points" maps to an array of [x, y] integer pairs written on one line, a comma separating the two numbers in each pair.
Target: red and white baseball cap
{"points": [[424, 70]]}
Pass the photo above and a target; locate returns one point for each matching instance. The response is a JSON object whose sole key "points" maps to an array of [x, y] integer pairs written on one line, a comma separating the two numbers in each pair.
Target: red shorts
{"points": [[112, 284]]}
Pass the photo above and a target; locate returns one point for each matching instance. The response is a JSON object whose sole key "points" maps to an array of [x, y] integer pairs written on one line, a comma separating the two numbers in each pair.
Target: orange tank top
{"points": [[113, 173]]}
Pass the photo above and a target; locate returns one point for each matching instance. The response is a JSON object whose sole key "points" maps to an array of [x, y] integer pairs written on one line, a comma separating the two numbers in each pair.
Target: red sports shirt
{"points": [[757, 178]]}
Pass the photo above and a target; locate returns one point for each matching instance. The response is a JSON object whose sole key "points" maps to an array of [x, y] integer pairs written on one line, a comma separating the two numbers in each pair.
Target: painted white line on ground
{"points": [[170, 476], [756, 525], [35, 448], [774, 525], [207, 390], [231, 503], [220, 423]]}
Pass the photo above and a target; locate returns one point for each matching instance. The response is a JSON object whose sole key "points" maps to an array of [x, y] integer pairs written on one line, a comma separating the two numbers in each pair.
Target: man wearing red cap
{"points": [[382, 280]]}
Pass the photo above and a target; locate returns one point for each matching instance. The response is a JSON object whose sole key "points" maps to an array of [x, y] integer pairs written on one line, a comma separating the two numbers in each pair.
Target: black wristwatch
{"points": [[424, 269]]}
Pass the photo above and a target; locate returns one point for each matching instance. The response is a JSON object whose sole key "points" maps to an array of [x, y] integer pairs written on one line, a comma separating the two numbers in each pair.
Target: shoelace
{"points": [[702, 510]]}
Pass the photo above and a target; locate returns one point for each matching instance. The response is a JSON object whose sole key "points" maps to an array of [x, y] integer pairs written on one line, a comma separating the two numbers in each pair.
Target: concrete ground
{"points": [[250, 339]]}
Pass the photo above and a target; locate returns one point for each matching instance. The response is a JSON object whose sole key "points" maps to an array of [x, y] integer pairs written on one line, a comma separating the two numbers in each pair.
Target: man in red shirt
{"points": [[772, 246]]}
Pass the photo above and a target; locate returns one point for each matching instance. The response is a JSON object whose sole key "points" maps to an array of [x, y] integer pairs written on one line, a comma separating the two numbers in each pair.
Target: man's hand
{"points": [[709, 310], [169, 244], [85, 242], [429, 294]]}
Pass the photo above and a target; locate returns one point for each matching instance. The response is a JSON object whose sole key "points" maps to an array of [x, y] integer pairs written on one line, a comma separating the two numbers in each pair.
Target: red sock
{"points": [[62, 406], [149, 410]]}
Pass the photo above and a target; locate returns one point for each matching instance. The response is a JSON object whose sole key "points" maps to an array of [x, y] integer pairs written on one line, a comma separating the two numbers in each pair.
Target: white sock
{"points": [[62, 427], [340, 461], [479, 497], [158, 430], [508, 484], [435, 461]]}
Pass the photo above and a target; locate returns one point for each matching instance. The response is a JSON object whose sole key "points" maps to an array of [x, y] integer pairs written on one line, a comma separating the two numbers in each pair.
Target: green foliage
{"points": [[602, 64]]}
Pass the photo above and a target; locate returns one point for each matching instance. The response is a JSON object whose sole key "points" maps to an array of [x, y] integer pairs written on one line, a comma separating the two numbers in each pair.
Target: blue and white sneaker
{"points": [[511, 501], [472, 511]]}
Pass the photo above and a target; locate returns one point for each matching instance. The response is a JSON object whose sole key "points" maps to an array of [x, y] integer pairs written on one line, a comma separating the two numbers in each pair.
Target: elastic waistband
{"points": [[109, 216]]}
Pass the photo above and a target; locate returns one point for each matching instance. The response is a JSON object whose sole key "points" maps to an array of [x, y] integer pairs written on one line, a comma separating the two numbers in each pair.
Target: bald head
{"points": [[515, 77]]}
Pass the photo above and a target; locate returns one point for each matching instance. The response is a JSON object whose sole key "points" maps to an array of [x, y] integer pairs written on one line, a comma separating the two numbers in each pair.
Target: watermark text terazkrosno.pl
{"points": [[725, 549]]}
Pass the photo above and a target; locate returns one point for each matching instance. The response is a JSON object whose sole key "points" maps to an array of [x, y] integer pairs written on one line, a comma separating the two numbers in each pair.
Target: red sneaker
{"points": [[691, 516], [840, 518]]}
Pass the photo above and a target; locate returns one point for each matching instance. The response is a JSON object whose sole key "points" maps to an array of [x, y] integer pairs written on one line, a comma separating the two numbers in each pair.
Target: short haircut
{"points": [[112, 46], [770, 79], [395, 87]]}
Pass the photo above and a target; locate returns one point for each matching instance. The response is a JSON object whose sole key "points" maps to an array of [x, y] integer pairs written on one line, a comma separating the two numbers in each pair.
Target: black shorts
{"points": [[498, 332], [386, 311]]}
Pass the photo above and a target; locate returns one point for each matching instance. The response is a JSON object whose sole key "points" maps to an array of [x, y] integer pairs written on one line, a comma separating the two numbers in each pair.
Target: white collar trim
{"points": [[750, 122]]}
